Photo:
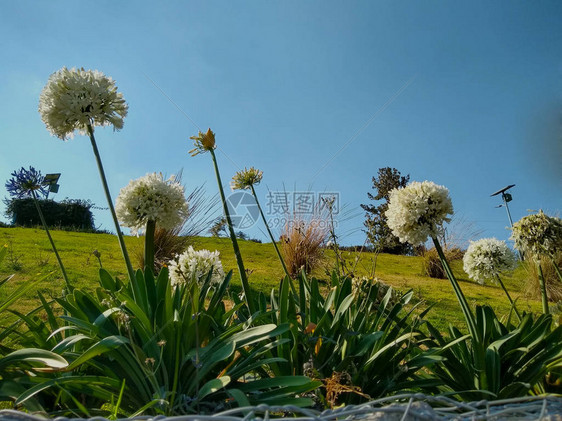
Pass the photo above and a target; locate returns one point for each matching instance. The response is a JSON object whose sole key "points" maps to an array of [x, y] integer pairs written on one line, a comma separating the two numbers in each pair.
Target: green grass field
{"points": [[30, 257]]}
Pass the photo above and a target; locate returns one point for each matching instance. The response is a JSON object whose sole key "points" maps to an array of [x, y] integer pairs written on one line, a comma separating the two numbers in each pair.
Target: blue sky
{"points": [[466, 94]]}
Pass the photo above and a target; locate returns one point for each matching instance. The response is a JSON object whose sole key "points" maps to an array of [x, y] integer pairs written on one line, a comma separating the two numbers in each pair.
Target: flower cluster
{"points": [[73, 99], [24, 182], [194, 265], [418, 211], [246, 178], [486, 258], [203, 142], [151, 198], [538, 234]]}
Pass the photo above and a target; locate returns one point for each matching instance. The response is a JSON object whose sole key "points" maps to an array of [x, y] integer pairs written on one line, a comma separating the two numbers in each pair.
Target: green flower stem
{"points": [[476, 337], [508, 297], [271, 236], [469, 317], [542, 283], [243, 276], [64, 275], [335, 245], [130, 270], [149, 245]]}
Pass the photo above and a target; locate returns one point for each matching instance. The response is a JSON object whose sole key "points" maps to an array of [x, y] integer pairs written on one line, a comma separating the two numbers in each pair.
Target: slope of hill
{"points": [[30, 257]]}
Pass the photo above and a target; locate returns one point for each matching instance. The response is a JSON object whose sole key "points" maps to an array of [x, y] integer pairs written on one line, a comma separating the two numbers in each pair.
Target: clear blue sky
{"points": [[286, 84]]}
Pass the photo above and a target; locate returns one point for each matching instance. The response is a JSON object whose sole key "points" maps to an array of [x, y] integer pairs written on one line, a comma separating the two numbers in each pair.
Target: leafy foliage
{"points": [[159, 349], [362, 332], [504, 361], [69, 213], [378, 232]]}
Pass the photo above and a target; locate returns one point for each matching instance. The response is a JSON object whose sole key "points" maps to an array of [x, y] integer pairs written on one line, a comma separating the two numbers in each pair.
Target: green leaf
{"points": [[21, 290], [87, 383], [48, 358], [104, 345], [212, 386], [107, 281], [343, 307], [280, 381], [239, 397]]}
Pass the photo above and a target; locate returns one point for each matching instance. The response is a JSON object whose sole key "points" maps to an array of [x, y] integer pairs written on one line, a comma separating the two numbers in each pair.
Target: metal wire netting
{"points": [[406, 407]]}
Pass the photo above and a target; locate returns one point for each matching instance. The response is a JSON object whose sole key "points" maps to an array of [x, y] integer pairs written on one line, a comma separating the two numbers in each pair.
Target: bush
{"points": [[70, 213], [362, 339], [432, 266], [514, 359], [302, 244], [553, 285], [167, 245], [154, 348]]}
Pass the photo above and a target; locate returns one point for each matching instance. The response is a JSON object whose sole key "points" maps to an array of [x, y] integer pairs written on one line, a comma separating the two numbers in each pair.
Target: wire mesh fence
{"points": [[406, 407]]}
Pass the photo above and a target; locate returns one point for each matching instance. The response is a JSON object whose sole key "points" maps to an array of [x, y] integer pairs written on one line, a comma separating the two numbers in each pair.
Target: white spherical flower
{"points": [[151, 198], [486, 258], [74, 98], [538, 234], [418, 211], [194, 265]]}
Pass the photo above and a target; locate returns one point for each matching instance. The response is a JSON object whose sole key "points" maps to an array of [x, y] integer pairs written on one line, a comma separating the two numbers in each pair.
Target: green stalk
{"points": [[130, 270], [508, 297], [477, 339], [240, 263], [178, 356], [335, 245], [149, 245], [271, 236], [542, 283], [469, 317], [64, 275]]}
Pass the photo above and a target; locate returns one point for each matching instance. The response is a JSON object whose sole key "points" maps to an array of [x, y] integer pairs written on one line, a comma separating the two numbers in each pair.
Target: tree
{"points": [[378, 233], [219, 227]]}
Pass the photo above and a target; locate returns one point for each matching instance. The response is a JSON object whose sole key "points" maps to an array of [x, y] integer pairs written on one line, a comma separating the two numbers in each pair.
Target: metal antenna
{"points": [[506, 199]]}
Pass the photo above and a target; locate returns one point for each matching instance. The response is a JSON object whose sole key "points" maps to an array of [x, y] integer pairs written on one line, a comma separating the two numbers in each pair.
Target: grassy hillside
{"points": [[30, 257]]}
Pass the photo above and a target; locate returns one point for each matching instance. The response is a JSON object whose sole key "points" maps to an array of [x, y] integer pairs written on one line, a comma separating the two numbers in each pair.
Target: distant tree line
{"points": [[74, 214]]}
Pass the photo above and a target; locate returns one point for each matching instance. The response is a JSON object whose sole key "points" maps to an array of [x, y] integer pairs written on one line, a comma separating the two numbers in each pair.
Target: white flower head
{"points": [[195, 265], [73, 98], [538, 234], [151, 198], [418, 211], [486, 258]]}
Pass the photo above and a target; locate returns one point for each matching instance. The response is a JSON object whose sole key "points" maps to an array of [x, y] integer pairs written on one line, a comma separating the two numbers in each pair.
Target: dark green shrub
{"points": [[70, 213], [515, 359], [365, 334], [155, 348]]}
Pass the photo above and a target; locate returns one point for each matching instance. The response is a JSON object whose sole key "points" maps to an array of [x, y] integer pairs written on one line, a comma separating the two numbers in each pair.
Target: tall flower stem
{"points": [[130, 270], [335, 242], [149, 245], [271, 235], [508, 297], [240, 263], [64, 275], [458, 291], [542, 283]]}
